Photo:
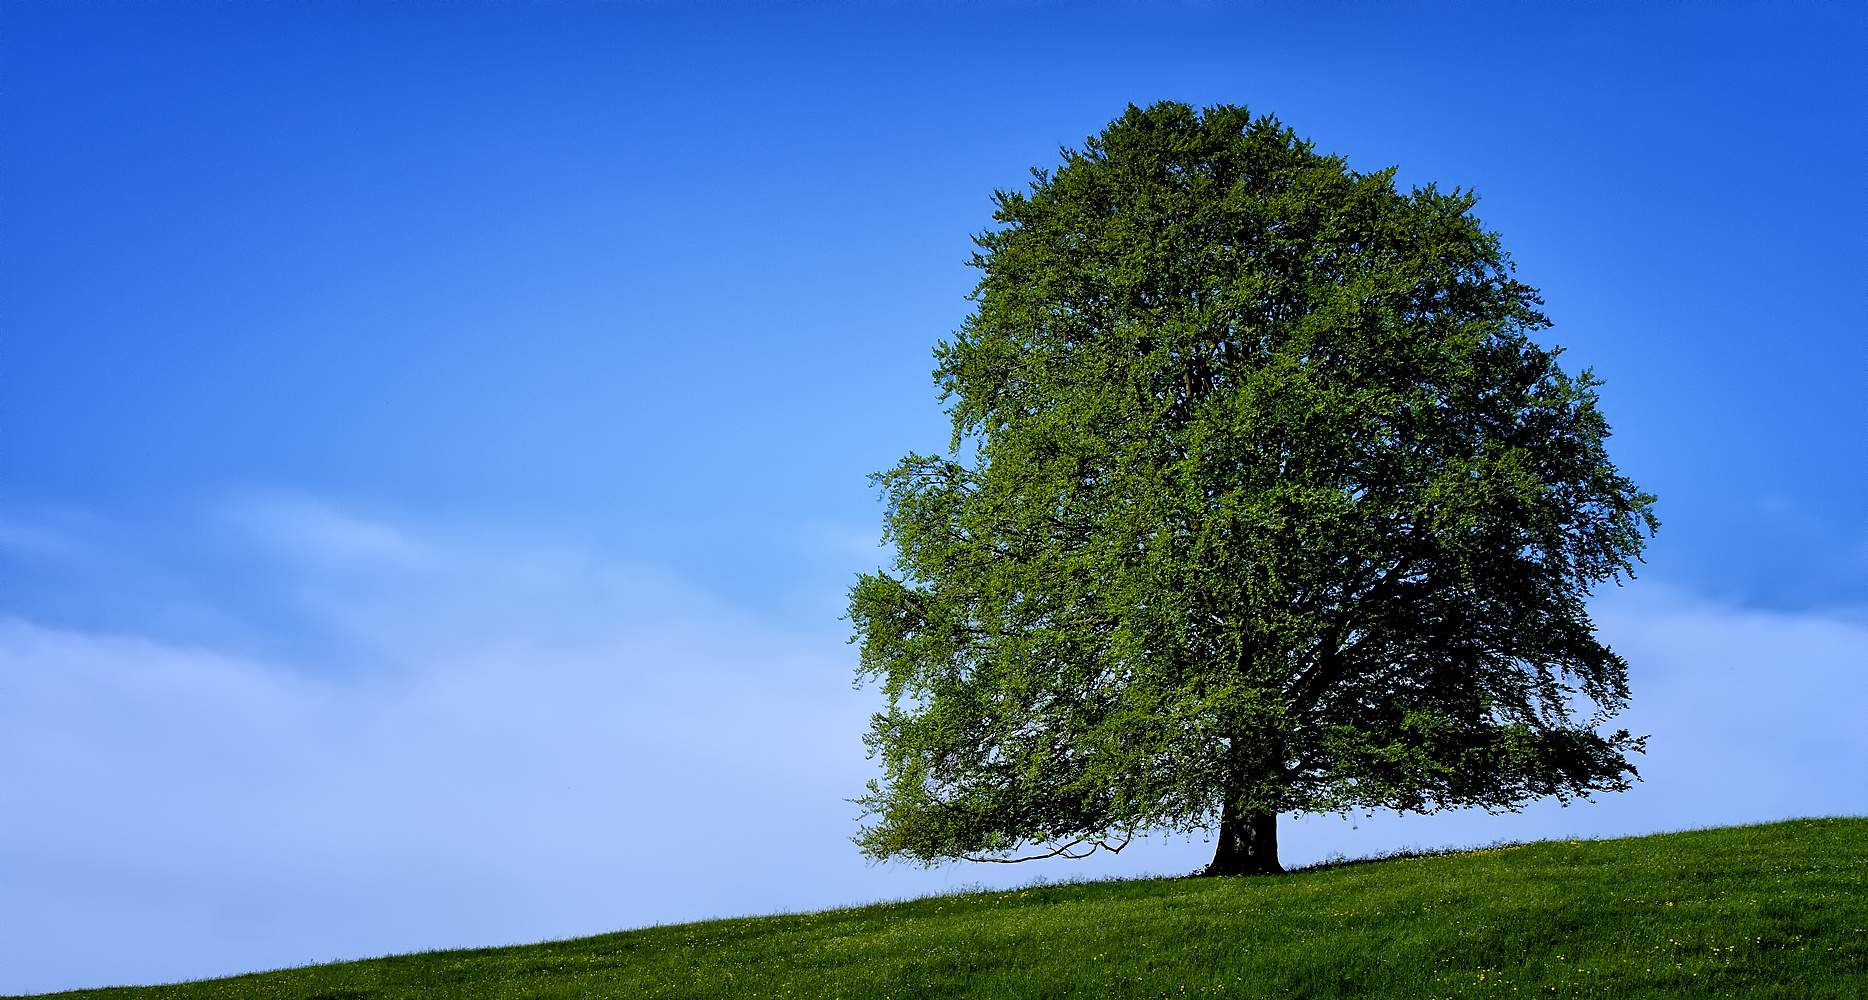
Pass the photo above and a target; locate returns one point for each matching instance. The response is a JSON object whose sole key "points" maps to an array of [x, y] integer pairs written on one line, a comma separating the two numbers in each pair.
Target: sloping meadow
{"points": [[1778, 910]]}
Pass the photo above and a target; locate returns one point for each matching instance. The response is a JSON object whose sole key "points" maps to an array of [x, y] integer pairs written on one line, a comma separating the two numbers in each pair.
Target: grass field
{"points": [[1763, 911]]}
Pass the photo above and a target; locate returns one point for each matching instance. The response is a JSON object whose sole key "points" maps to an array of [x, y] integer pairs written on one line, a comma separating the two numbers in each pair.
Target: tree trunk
{"points": [[1248, 843]]}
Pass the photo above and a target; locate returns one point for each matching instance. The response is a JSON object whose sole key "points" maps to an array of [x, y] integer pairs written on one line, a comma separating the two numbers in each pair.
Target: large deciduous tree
{"points": [[1260, 500]]}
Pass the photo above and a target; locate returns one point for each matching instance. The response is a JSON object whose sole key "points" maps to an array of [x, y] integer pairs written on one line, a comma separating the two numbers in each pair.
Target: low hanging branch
{"points": [[1065, 851]]}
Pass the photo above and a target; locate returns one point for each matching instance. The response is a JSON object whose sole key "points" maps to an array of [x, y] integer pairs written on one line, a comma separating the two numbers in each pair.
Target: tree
{"points": [[1260, 499]]}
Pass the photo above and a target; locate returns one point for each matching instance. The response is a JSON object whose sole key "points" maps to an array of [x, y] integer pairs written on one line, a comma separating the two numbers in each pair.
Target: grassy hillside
{"points": [[1763, 911]]}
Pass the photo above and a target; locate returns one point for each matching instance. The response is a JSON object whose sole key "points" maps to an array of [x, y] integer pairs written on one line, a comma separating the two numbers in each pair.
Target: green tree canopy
{"points": [[1260, 500]]}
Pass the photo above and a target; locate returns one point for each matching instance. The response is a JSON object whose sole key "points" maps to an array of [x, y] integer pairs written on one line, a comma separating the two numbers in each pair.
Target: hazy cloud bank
{"points": [[497, 739]]}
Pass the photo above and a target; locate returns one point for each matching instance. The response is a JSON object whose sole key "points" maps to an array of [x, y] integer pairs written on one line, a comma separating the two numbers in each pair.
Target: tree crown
{"points": [[1260, 495]]}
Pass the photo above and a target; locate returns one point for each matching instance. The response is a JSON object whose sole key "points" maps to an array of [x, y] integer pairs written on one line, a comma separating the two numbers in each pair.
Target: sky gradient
{"points": [[433, 438]]}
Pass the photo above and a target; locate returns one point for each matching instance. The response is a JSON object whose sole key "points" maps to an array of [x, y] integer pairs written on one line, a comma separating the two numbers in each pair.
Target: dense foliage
{"points": [[1261, 500]]}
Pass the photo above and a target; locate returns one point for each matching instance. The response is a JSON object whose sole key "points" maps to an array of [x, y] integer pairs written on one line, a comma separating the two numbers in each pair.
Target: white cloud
{"points": [[320, 536], [508, 740], [1753, 716], [502, 740]]}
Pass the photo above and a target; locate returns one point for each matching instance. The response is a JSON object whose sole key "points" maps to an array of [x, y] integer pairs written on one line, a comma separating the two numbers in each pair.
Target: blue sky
{"points": [[433, 437]]}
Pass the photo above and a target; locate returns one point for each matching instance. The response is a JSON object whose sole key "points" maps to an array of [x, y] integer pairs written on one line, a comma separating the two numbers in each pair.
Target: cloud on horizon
{"points": [[498, 739]]}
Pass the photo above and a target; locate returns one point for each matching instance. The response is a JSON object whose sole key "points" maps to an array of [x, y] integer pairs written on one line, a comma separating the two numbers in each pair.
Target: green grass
{"points": [[1760, 911]]}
